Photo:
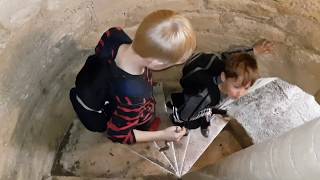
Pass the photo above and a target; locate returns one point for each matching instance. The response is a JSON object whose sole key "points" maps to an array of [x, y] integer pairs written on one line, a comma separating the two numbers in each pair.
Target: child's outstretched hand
{"points": [[263, 46], [174, 133]]}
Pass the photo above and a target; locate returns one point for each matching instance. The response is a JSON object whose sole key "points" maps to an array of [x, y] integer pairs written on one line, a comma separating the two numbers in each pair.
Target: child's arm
{"points": [[112, 37], [262, 46], [173, 133], [124, 120]]}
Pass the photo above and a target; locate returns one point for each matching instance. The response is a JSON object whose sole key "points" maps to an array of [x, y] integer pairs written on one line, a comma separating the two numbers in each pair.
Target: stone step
{"points": [[86, 154], [152, 177], [81, 178]]}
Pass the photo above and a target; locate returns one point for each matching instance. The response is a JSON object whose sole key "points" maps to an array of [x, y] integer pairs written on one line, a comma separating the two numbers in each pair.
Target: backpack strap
{"points": [[200, 103], [88, 108], [214, 56]]}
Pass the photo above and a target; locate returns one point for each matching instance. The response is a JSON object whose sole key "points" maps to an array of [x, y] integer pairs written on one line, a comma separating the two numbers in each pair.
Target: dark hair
{"points": [[242, 65]]}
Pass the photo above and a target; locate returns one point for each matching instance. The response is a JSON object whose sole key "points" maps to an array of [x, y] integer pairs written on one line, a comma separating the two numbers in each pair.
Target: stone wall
{"points": [[317, 96], [43, 43]]}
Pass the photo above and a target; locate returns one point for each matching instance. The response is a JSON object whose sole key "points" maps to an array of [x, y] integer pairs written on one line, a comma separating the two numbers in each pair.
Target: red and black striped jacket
{"points": [[132, 111]]}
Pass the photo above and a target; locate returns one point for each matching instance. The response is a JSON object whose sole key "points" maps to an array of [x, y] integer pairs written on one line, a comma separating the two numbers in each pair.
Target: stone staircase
{"points": [[86, 155]]}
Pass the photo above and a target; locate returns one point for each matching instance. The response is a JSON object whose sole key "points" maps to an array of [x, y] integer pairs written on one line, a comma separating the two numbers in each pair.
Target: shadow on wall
{"points": [[41, 74], [317, 96]]}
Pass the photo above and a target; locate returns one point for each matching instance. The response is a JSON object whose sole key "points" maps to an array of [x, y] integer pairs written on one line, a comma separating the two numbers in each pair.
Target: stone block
{"points": [[273, 107], [16, 13], [250, 28], [256, 9], [303, 30], [300, 7], [136, 14], [206, 22], [218, 42]]}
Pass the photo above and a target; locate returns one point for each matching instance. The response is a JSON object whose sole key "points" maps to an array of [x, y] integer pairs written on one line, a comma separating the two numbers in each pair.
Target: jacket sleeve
{"points": [[126, 117], [202, 67], [108, 41], [198, 71]]}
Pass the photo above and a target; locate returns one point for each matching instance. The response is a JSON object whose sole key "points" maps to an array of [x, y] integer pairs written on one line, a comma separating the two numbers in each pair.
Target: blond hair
{"points": [[165, 35]]}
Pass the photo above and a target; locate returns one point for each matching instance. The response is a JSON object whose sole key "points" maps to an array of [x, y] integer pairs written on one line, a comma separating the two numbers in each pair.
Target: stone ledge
{"points": [[272, 109]]}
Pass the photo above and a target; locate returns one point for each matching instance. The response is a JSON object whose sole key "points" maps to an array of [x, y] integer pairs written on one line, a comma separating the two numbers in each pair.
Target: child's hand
{"points": [[174, 133], [262, 46]]}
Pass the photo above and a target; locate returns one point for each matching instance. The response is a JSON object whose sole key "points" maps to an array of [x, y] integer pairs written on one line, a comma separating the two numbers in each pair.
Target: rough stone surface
{"points": [[317, 96], [273, 109], [88, 154], [293, 155], [91, 155], [4, 37], [43, 43], [14, 14], [252, 8]]}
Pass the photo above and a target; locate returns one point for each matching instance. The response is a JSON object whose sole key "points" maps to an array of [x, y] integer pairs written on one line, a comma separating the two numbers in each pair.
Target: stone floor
{"points": [[90, 155], [87, 155]]}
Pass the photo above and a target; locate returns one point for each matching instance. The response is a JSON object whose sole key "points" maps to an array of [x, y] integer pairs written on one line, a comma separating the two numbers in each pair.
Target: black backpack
{"points": [[186, 107], [93, 84], [93, 81], [197, 96], [98, 82]]}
